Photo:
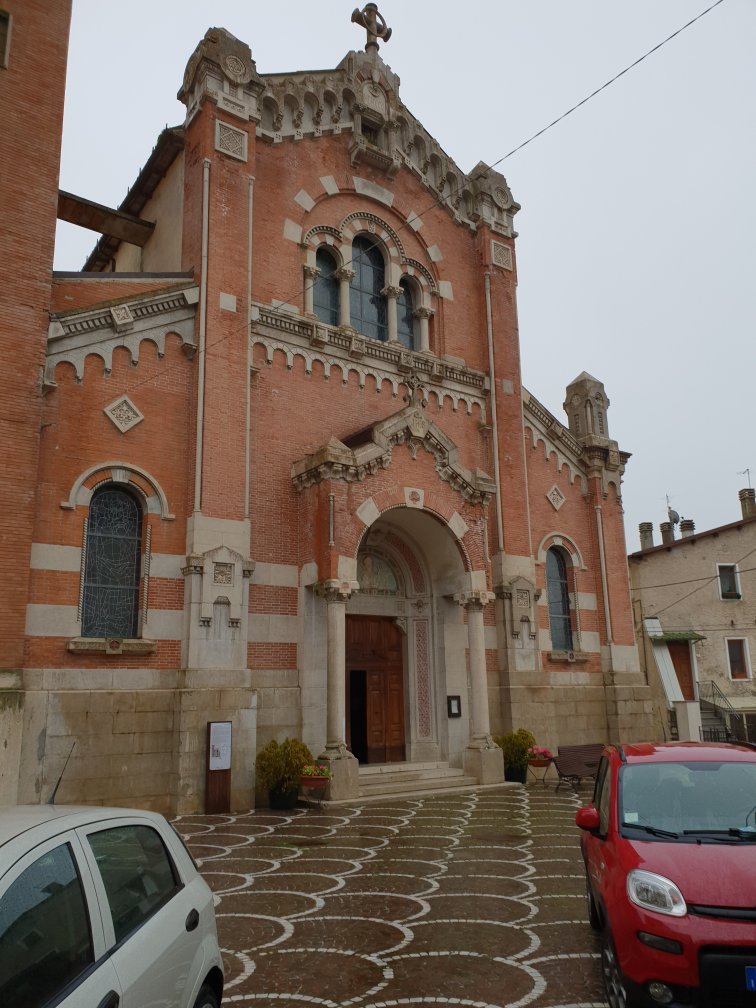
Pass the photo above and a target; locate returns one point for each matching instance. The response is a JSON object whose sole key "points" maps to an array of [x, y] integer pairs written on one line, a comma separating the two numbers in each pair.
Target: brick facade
{"points": [[272, 453]]}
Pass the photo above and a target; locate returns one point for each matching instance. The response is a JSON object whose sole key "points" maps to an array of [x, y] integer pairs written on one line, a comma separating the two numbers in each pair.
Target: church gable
{"points": [[370, 450]]}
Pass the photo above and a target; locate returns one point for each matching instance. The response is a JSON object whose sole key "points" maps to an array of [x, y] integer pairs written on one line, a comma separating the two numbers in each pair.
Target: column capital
{"points": [[391, 292], [475, 600], [423, 313], [333, 590], [344, 273], [311, 271]]}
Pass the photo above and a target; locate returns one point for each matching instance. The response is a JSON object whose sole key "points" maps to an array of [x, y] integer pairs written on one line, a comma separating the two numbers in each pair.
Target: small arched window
{"points": [[558, 593], [405, 318], [112, 567], [367, 306], [325, 294]]}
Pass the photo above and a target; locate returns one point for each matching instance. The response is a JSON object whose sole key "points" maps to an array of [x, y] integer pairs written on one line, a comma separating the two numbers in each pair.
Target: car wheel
{"points": [[593, 915], [614, 985], [207, 998]]}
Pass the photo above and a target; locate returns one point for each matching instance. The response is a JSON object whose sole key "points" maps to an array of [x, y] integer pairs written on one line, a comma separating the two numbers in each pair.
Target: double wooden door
{"points": [[374, 689]]}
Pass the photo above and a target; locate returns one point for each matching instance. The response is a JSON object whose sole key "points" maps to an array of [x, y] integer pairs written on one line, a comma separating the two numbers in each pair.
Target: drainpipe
{"points": [[202, 336]]}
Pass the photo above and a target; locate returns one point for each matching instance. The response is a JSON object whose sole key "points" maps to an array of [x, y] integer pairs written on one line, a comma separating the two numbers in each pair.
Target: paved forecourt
{"points": [[474, 899]]}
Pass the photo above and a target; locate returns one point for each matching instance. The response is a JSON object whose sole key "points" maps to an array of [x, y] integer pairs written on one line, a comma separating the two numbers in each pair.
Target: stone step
{"points": [[420, 785], [400, 779]]}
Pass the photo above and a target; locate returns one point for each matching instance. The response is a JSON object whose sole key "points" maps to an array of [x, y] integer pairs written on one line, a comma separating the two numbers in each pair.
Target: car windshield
{"points": [[688, 799]]}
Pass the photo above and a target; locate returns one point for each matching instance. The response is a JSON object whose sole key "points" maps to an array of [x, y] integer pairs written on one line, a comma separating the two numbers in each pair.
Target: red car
{"points": [[669, 844]]}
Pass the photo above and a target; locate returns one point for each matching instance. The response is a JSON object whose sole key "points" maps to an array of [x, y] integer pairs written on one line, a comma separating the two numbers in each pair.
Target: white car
{"points": [[102, 908]]}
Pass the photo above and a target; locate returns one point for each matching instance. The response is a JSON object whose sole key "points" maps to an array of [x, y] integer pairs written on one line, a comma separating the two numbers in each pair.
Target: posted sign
{"points": [[220, 745]]}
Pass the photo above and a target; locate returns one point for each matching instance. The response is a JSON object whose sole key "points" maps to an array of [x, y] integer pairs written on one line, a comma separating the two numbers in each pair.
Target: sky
{"points": [[636, 235]]}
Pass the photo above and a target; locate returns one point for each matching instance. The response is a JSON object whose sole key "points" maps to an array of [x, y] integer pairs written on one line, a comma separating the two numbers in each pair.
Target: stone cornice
{"points": [[335, 461], [312, 340], [73, 336]]}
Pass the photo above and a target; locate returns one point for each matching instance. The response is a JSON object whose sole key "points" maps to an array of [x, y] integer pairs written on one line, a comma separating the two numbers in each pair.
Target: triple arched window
{"points": [[112, 564], [360, 296], [558, 593]]}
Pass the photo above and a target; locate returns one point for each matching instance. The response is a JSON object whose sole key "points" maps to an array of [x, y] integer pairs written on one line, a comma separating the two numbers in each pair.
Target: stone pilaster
{"points": [[344, 782], [482, 758]]}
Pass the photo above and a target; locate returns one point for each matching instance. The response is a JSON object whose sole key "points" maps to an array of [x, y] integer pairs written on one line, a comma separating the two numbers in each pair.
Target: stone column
{"points": [[311, 273], [391, 294], [483, 758], [344, 782], [424, 315], [344, 275]]}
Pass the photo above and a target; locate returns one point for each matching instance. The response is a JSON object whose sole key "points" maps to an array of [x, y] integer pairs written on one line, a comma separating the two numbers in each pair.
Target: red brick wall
{"points": [[31, 112]]}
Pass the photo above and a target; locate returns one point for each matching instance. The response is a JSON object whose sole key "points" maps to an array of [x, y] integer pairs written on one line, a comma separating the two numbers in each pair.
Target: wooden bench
{"points": [[577, 763]]}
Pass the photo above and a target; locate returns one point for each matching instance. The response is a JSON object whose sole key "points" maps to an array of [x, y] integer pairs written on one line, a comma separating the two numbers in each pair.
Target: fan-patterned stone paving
{"points": [[474, 900]]}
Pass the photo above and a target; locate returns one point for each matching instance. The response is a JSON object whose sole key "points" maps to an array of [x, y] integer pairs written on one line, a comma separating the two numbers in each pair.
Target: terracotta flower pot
{"points": [[313, 783], [541, 762]]}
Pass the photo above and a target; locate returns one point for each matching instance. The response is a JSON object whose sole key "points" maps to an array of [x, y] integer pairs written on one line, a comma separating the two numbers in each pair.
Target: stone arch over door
{"points": [[409, 568]]}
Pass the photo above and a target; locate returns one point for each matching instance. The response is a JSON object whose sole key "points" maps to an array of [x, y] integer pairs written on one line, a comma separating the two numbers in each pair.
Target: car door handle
{"points": [[111, 1000], [192, 920]]}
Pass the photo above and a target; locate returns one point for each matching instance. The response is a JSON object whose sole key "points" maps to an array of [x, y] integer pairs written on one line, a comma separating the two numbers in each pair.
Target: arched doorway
{"points": [[402, 629]]}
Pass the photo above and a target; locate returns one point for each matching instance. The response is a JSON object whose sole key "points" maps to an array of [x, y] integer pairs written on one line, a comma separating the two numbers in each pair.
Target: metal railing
{"points": [[730, 724]]}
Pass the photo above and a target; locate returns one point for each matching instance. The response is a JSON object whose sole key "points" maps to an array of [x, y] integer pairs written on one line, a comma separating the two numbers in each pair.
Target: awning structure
{"points": [[677, 635]]}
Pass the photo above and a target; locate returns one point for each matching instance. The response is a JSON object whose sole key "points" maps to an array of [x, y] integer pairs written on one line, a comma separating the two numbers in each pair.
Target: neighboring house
{"points": [[694, 600], [288, 478]]}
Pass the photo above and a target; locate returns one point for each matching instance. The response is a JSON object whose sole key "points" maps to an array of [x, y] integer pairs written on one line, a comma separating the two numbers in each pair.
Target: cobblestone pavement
{"points": [[476, 899]]}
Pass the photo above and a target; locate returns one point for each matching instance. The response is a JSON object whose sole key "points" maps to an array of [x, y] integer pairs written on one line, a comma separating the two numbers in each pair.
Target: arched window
{"points": [[405, 319], [110, 602], [558, 593], [325, 294], [367, 306]]}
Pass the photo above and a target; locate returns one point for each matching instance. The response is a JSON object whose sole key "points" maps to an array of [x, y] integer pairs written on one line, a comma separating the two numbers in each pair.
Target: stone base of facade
{"points": [[135, 737]]}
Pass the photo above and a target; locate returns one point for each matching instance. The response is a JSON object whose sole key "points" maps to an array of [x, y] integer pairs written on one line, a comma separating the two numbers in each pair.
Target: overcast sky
{"points": [[636, 234]]}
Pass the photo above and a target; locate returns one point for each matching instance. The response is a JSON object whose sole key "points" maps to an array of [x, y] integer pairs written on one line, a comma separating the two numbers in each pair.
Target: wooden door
{"points": [[374, 656], [679, 652]]}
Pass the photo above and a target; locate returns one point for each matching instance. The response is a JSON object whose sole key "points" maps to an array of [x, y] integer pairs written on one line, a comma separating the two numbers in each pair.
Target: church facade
{"points": [[288, 476]]}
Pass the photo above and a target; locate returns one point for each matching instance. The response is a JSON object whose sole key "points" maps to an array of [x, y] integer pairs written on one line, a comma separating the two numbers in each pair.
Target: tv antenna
{"points": [[746, 472]]}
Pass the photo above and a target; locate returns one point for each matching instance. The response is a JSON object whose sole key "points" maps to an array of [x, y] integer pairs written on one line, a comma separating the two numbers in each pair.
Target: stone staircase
{"points": [[395, 780]]}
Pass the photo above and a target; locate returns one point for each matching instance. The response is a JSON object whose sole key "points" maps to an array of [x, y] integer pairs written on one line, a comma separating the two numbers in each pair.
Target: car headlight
{"points": [[654, 892]]}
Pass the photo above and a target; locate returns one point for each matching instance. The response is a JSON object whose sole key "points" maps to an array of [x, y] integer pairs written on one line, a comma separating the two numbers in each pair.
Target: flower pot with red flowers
{"points": [[314, 777]]}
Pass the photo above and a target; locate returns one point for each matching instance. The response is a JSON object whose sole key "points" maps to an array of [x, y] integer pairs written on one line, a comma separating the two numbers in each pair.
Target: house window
{"points": [[112, 568], [325, 295], [405, 318], [367, 305], [558, 594], [729, 582], [737, 656]]}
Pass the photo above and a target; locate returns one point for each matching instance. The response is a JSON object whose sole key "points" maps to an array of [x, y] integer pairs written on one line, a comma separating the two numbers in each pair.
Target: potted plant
{"points": [[539, 756], [278, 768], [516, 745], [314, 777]]}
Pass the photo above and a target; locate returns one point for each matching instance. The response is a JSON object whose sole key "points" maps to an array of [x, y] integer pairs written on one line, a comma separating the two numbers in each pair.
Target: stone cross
{"points": [[374, 23]]}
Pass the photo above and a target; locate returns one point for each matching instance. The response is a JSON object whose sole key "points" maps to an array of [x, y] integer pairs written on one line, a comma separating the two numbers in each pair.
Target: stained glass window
{"points": [[367, 306], [559, 601], [110, 605], [325, 294], [405, 322]]}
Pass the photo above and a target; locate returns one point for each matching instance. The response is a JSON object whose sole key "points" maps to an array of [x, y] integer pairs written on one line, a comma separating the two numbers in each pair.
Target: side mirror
{"points": [[588, 818]]}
